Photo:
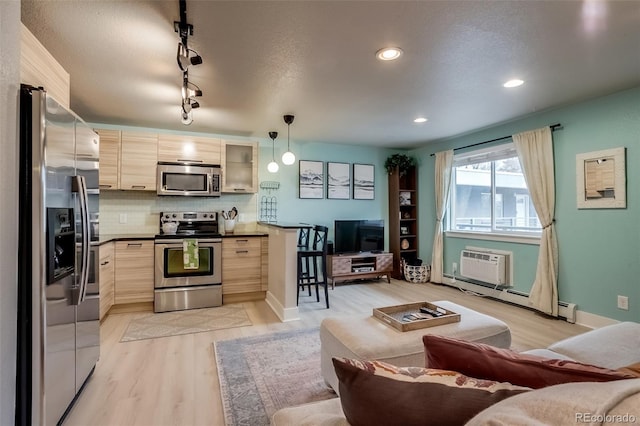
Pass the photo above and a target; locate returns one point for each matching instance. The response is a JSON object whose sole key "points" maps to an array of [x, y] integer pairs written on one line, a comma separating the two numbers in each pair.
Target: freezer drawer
{"points": [[181, 298]]}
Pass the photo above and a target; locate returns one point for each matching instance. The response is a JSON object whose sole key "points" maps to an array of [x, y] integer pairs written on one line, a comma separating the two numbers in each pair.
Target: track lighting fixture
{"points": [[288, 158], [186, 57], [273, 166]]}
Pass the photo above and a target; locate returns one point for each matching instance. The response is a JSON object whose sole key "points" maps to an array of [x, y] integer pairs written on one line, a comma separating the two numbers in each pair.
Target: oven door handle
{"points": [[178, 242]]}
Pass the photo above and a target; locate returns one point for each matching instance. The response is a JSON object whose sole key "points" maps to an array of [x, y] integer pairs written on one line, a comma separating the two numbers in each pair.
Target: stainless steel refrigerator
{"points": [[58, 305]]}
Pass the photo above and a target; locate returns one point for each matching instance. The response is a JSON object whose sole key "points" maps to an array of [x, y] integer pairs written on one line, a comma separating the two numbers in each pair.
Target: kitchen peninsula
{"points": [[283, 248]]}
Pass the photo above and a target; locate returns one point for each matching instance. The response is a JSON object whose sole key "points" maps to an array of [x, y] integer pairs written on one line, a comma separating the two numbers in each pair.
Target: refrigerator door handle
{"points": [[80, 186]]}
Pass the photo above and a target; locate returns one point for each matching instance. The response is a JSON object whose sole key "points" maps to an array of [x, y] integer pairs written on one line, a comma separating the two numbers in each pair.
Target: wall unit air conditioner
{"points": [[485, 267]]}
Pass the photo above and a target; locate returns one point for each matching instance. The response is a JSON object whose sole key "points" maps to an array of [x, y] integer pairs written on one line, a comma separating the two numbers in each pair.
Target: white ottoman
{"points": [[365, 337]]}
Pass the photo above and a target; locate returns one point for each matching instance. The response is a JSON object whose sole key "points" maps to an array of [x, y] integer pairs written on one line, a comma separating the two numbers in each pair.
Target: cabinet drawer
{"points": [[241, 247]]}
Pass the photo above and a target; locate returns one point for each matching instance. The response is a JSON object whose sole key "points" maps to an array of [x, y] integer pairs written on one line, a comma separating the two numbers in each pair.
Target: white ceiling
{"points": [[316, 60]]}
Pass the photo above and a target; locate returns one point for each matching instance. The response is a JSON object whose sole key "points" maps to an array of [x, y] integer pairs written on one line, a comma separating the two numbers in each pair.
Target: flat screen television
{"points": [[354, 236]]}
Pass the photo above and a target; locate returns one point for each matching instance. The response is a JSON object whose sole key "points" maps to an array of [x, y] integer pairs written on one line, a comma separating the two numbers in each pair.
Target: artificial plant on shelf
{"points": [[401, 161]]}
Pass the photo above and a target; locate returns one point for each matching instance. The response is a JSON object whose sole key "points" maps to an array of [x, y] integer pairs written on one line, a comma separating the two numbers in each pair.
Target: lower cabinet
{"points": [[106, 274], [241, 265], [134, 271]]}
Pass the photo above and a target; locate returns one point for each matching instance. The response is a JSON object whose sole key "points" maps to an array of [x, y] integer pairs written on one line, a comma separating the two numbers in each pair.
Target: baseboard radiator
{"points": [[565, 310]]}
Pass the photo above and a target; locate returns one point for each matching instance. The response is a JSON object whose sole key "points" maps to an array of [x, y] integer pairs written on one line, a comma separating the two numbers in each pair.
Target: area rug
{"points": [[168, 324], [262, 374]]}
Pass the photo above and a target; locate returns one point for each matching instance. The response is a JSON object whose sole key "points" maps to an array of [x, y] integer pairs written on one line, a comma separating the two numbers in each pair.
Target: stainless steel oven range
{"points": [[181, 283]]}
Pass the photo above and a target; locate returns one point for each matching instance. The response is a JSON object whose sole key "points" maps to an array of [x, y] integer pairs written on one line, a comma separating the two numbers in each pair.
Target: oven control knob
{"points": [[211, 216], [173, 215], [166, 216]]}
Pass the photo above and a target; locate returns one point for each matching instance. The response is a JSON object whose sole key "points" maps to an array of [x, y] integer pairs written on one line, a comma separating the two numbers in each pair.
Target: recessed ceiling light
{"points": [[389, 53], [513, 83], [420, 120]]}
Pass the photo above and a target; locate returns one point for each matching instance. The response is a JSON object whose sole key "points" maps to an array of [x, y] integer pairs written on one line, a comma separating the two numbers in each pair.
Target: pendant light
{"points": [[288, 158], [273, 166]]}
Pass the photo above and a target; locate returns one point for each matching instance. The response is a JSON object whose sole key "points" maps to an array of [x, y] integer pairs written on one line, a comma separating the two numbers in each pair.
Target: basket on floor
{"points": [[417, 274]]}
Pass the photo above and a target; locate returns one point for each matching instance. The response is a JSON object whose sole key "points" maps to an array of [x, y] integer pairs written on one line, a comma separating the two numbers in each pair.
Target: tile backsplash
{"points": [[140, 210]]}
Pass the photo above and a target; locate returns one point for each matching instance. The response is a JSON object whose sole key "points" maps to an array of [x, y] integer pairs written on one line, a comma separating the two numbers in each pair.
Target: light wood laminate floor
{"points": [[174, 381]]}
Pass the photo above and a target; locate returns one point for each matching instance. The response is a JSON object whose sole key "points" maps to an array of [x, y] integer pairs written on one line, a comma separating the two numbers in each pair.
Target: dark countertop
{"points": [[245, 234], [105, 238], [130, 237], [286, 225]]}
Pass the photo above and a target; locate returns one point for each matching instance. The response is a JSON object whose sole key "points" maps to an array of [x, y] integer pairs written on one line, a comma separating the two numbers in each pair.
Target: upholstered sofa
{"points": [[612, 347]]}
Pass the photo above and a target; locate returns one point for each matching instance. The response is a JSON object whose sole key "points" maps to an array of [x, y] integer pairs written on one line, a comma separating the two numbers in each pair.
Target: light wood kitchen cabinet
{"points": [[134, 271], [138, 161], [109, 158], [239, 166], [241, 265], [188, 149], [107, 277], [264, 241]]}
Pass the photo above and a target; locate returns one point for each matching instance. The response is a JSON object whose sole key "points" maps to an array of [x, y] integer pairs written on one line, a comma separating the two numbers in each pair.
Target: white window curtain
{"points": [[444, 166], [535, 151]]}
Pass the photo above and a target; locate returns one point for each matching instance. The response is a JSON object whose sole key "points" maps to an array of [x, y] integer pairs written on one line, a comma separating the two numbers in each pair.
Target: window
{"points": [[489, 194]]}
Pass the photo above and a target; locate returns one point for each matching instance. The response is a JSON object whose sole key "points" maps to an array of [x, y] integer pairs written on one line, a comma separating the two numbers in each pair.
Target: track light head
{"points": [[194, 104], [186, 117], [195, 60]]}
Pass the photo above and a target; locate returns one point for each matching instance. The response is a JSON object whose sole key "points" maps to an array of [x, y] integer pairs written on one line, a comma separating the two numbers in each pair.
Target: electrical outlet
{"points": [[454, 267], [123, 218], [623, 302]]}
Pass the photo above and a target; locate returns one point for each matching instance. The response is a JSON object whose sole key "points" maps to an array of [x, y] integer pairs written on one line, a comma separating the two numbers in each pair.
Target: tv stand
{"points": [[352, 266]]}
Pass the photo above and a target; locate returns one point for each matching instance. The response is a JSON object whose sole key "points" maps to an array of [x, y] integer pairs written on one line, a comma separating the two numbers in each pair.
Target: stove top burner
{"points": [[190, 224]]}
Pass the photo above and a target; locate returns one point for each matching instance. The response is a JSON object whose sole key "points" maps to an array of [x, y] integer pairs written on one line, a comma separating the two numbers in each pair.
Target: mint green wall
{"points": [[323, 211], [599, 249]]}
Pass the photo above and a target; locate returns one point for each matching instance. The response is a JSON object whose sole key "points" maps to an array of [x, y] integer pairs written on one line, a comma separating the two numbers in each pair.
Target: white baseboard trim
{"points": [[592, 320], [565, 310], [285, 314]]}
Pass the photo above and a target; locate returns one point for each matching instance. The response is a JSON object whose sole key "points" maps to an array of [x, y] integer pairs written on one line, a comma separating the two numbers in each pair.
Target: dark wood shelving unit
{"points": [[403, 217]]}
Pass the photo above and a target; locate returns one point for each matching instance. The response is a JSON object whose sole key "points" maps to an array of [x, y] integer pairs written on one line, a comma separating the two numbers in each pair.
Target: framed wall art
{"points": [[311, 181], [363, 182], [338, 181], [601, 179]]}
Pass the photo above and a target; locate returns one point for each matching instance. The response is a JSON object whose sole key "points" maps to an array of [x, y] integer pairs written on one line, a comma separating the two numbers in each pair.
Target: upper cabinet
{"points": [[188, 149], [109, 158], [138, 161], [128, 160], [39, 68], [239, 166]]}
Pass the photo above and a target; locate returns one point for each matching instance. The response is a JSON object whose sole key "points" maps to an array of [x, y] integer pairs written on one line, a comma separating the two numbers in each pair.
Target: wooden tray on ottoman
{"points": [[392, 315]]}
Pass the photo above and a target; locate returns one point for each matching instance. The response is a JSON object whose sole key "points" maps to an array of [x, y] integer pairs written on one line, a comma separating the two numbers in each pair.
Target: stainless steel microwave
{"points": [[193, 180]]}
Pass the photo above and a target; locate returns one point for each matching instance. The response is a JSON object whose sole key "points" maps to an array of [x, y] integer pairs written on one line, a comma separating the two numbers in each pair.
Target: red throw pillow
{"points": [[381, 394], [504, 365]]}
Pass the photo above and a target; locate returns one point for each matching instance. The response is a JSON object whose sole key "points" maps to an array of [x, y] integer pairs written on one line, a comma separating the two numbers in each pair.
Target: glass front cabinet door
{"points": [[239, 166]]}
